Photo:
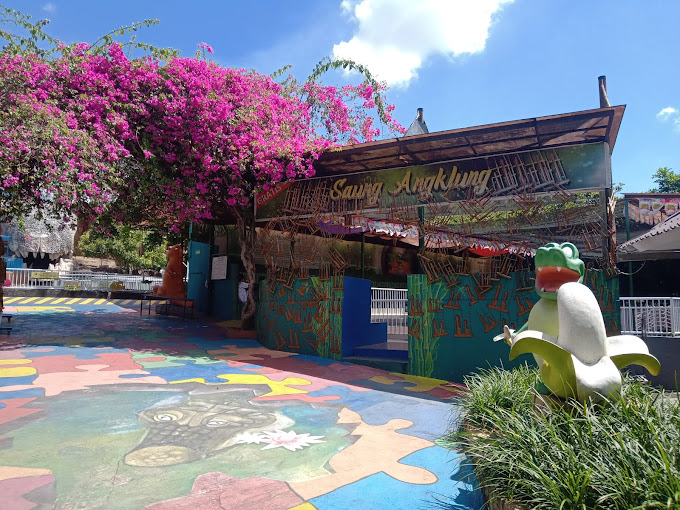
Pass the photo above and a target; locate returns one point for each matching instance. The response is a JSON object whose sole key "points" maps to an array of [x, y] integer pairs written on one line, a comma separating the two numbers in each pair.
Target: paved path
{"points": [[101, 408]]}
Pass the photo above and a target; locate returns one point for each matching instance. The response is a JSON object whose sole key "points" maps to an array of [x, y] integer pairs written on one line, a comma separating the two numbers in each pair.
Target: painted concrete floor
{"points": [[102, 408]]}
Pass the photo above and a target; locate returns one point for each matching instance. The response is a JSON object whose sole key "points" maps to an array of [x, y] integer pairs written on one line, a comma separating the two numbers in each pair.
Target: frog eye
{"points": [[167, 416], [568, 250], [216, 423]]}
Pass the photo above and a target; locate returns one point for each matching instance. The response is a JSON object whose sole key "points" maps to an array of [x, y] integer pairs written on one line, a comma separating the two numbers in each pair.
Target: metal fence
{"points": [[651, 316], [390, 306], [78, 280]]}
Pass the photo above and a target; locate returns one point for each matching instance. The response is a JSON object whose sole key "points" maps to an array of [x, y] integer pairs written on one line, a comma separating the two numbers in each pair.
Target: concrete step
{"points": [[384, 363], [393, 350]]}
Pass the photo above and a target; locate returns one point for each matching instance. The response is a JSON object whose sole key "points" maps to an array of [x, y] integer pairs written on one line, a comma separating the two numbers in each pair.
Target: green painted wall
{"points": [[451, 327], [303, 316]]}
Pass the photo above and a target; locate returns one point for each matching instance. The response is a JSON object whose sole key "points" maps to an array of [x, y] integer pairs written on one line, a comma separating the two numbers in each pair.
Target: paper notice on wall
{"points": [[219, 268]]}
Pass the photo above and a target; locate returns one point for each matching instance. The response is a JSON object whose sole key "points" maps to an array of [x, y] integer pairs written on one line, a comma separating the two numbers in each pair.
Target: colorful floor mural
{"points": [[110, 410]]}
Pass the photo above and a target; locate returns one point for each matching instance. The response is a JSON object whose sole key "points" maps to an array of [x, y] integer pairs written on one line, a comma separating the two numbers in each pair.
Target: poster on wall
{"points": [[219, 268], [575, 168], [398, 261], [654, 204], [671, 206], [645, 206]]}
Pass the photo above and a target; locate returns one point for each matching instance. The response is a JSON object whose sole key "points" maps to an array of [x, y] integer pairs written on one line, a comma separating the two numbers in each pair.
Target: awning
{"points": [[591, 126]]}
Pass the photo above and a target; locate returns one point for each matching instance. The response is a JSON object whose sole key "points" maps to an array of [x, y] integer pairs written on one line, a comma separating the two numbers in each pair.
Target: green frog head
{"points": [[557, 264]]}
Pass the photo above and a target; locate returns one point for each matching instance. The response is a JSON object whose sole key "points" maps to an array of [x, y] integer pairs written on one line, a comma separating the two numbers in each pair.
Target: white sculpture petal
{"points": [[596, 380], [626, 344], [627, 350], [582, 330]]}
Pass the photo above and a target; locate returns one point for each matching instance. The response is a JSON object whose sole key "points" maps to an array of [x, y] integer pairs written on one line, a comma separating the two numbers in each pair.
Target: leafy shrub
{"points": [[624, 454], [131, 249]]}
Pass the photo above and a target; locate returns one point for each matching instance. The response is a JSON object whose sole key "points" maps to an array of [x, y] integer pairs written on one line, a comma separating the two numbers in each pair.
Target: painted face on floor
{"points": [[192, 430]]}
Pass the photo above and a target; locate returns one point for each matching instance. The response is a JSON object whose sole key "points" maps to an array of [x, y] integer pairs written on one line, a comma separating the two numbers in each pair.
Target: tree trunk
{"points": [[82, 226], [246, 236]]}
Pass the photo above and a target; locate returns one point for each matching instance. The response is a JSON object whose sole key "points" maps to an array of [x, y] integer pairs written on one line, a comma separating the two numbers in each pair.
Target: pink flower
{"points": [[206, 47], [279, 439], [213, 133]]}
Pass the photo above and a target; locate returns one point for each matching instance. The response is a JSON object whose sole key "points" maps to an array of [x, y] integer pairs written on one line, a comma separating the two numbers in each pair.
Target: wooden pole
{"points": [[630, 264]]}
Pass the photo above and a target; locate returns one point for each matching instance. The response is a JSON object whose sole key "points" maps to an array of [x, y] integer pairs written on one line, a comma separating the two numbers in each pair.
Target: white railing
{"points": [[390, 306], [650, 316], [78, 280]]}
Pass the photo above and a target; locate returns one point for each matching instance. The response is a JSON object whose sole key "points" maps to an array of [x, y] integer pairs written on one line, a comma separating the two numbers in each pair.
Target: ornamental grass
{"points": [[622, 454]]}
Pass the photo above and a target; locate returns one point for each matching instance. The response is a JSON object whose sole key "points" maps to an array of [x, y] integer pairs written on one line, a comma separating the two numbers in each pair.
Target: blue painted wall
{"points": [[224, 295], [357, 329], [198, 274]]}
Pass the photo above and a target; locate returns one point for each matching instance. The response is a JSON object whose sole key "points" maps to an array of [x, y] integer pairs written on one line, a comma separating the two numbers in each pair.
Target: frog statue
{"points": [[566, 333]]}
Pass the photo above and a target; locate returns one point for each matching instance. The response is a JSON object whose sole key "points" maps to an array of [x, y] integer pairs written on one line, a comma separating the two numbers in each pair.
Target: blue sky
{"points": [[466, 62]]}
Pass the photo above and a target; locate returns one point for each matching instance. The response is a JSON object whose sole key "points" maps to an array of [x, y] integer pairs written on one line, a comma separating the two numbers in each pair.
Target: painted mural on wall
{"points": [[302, 314], [452, 320], [130, 412]]}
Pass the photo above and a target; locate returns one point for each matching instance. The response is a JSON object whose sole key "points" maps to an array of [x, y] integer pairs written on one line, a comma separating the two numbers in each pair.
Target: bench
{"points": [[153, 297], [4, 326]]}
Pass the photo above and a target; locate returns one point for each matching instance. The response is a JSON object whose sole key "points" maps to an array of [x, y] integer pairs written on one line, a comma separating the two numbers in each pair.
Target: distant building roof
{"points": [[418, 126]]}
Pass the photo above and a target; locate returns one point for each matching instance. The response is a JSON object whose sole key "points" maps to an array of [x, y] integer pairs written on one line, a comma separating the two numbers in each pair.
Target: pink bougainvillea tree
{"points": [[167, 141], [62, 124], [209, 138]]}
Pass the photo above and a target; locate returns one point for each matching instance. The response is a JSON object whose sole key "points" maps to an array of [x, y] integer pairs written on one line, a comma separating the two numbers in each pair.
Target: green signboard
{"points": [[45, 275], [581, 167]]}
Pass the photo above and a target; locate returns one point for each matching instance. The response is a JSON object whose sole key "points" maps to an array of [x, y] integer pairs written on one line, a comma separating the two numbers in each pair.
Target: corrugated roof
{"points": [[600, 125], [661, 242], [665, 226]]}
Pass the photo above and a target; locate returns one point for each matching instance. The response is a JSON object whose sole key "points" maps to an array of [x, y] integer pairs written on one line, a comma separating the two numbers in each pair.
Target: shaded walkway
{"points": [[113, 410]]}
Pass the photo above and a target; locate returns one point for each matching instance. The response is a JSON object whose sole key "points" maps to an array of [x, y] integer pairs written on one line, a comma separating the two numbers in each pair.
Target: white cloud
{"points": [[667, 113], [50, 7], [394, 38], [670, 114]]}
